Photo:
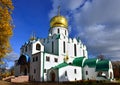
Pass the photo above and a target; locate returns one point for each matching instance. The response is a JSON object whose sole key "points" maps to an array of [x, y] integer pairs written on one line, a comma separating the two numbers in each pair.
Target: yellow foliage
{"points": [[6, 26]]}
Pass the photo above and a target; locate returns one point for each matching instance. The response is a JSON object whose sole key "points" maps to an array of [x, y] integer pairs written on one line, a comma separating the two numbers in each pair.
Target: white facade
{"points": [[39, 56], [67, 73], [89, 73]]}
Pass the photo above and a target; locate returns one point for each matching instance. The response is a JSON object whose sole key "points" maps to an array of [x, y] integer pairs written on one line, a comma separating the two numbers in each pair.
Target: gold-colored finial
{"points": [[59, 10], [33, 37]]}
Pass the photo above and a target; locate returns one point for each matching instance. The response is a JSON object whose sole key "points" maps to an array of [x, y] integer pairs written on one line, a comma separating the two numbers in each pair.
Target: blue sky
{"points": [[29, 16], [96, 22]]}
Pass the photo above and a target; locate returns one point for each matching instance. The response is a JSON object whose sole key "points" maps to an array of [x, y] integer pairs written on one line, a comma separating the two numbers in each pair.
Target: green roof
{"points": [[102, 65], [90, 62], [60, 65], [78, 61]]}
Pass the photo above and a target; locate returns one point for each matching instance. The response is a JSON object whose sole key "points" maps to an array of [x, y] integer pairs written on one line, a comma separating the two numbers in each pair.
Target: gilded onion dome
{"points": [[58, 21]]}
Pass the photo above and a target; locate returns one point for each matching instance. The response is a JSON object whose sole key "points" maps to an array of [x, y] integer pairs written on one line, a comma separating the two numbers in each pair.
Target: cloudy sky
{"points": [[96, 22]]}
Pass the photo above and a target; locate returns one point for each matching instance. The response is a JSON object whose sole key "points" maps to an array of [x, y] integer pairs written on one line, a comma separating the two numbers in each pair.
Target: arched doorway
{"points": [[110, 75], [52, 74], [24, 62]]}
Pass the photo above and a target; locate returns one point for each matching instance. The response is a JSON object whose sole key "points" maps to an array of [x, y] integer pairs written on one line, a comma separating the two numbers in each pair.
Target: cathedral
{"points": [[59, 58]]}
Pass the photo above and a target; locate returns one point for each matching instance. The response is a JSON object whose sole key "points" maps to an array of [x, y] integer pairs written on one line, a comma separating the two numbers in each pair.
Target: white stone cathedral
{"points": [[60, 58]]}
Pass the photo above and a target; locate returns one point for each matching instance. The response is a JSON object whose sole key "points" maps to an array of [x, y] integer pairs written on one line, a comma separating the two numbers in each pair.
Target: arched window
{"points": [[58, 31], [65, 73], [65, 32], [63, 46], [38, 47], [86, 72], [75, 52], [52, 47]]}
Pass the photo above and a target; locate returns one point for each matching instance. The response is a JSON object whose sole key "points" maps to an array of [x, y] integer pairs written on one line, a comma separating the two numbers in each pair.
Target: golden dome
{"points": [[58, 21]]}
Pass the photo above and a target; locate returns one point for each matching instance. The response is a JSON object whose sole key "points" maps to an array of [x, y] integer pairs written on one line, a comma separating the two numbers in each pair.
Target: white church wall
{"points": [[48, 45], [70, 49], [89, 73], [110, 71], [70, 74], [61, 31], [85, 53], [41, 66], [49, 74], [34, 47], [49, 63], [35, 67]]}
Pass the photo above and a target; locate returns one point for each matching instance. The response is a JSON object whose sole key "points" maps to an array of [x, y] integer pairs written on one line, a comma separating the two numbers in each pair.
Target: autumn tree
{"points": [[6, 26]]}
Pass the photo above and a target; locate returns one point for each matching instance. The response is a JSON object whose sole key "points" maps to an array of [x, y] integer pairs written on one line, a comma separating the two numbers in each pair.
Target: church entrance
{"points": [[110, 75], [24, 62], [52, 74]]}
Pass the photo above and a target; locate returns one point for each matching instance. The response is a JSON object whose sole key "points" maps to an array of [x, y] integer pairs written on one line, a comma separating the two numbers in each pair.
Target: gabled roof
{"points": [[90, 62], [78, 61], [60, 65], [102, 65]]}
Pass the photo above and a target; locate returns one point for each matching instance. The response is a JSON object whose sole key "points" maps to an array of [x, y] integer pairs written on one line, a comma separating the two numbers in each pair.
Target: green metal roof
{"points": [[102, 65], [90, 62], [60, 65], [78, 61]]}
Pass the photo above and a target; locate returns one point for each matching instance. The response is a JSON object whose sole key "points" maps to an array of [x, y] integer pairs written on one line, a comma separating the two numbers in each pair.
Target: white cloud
{"points": [[97, 23], [66, 5], [12, 56], [9, 59]]}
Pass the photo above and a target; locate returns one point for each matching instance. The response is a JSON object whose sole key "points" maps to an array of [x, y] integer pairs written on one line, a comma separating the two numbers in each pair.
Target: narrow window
{"points": [[75, 50], [64, 47], [58, 31], [65, 32], [36, 58], [86, 72], [33, 59], [38, 47], [52, 47], [34, 70], [55, 59], [75, 71], [47, 58], [65, 73]]}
